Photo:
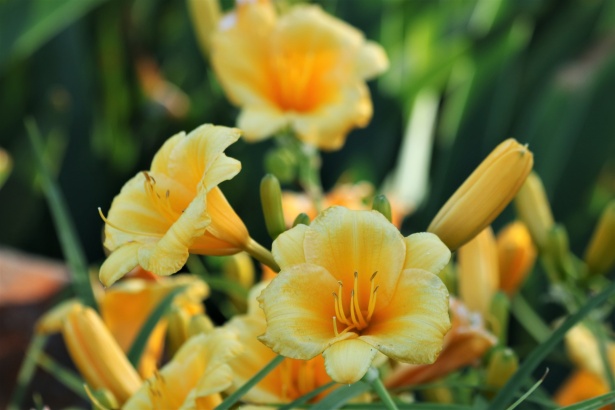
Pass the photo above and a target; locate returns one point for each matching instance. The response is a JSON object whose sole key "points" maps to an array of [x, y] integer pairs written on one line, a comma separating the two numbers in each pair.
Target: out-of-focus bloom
{"points": [[354, 196], [600, 254], [516, 256], [6, 165], [126, 306], [580, 386], [205, 15], [97, 355], [176, 208], [304, 69], [351, 285], [483, 196], [464, 345], [478, 271], [288, 381], [195, 376], [534, 210], [503, 363]]}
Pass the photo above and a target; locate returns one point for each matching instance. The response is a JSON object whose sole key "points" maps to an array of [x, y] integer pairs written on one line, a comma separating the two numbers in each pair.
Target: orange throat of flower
{"points": [[357, 319]]}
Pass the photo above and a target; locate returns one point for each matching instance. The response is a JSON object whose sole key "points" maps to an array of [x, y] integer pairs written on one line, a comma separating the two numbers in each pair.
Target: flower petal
{"points": [[259, 122], [161, 160], [426, 251], [347, 361], [299, 307], [412, 326], [372, 60], [120, 262], [170, 253], [345, 242], [287, 249]]}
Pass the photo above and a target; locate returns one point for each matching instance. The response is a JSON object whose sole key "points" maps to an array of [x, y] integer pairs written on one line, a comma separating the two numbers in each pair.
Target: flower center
{"points": [[357, 318], [160, 203]]}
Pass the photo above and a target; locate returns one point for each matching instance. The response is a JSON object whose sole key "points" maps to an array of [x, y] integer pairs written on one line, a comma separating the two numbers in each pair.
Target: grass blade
{"points": [[63, 375], [507, 393], [530, 391], [138, 346], [27, 371], [307, 397], [67, 234], [342, 395]]}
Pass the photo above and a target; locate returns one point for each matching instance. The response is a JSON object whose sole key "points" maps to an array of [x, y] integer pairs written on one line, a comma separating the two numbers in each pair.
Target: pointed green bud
{"points": [[600, 254], [534, 210], [282, 162], [271, 200], [503, 363], [382, 205], [500, 312], [303, 219]]}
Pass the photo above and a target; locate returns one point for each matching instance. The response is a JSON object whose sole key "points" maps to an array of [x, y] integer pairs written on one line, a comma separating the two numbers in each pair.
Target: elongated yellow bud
{"points": [[97, 355], [500, 313], [483, 196], [478, 271], [271, 200], [600, 254], [534, 210], [516, 256]]}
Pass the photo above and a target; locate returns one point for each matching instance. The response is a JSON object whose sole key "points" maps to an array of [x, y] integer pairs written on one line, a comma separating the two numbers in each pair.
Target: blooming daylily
{"points": [[351, 285], [176, 208], [304, 69], [289, 380], [195, 376]]}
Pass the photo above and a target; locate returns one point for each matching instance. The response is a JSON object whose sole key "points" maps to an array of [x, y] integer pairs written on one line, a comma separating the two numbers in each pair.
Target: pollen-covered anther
{"points": [[162, 204], [357, 318]]}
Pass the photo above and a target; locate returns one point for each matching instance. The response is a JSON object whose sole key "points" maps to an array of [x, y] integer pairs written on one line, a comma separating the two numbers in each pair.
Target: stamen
{"points": [[340, 311], [372, 304], [335, 325], [357, 308], [106, 221], [164, 207]]}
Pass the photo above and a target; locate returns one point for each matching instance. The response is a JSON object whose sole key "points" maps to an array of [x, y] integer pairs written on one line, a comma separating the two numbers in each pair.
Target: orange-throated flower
{"points": [[175, 208], [304, 69], [351, 285]]}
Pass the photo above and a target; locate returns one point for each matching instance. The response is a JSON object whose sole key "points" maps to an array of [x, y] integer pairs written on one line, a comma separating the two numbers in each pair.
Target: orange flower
{"points": [[304, 69], [516, 256]]}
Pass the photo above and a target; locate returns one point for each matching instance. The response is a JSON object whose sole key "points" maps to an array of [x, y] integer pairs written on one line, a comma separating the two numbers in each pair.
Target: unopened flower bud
{"points": [[382, 205], [503, 363], [483, 196], [534, 210], [516, 256], [600, 254], [271, 200], [500, 313], [282, 162], [478, 271], [97, 355], [240, 269], [302, 219], [6, 165]]}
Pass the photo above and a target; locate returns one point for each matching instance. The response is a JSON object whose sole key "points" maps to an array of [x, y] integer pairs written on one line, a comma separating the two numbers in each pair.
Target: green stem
{"points": [[261, 254], [239, 393], [373, 378], [27, 371], [309, 175], [62, 374]]}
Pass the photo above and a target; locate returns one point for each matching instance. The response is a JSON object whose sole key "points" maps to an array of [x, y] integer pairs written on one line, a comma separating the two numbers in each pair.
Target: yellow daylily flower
{"points": [[464, 345], [195, 376], [97, 355], [351, 285], [304, 69], [289, 380], [483, 195], [126, 306], [176, 208]]}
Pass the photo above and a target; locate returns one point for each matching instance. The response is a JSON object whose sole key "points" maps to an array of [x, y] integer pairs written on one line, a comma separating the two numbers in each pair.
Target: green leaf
{"points": [[529, 392], [239, 393], [307, 397], [138, 346], [26, 372], [67, 234], [27, 25], [511, 388]]}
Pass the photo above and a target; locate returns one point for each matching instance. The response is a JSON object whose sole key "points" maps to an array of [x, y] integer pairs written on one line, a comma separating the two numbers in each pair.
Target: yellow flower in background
{"points": [[351, 285], [464, 345], [483, 195], [97, 355], [516, 256], [126, 306], [195, 376], [304, 69], [289, 380], [176, 208]]}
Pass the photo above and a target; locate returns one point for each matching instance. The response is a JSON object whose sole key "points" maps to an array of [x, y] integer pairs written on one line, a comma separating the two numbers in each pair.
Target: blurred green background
{"points": [[108, 81]]}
